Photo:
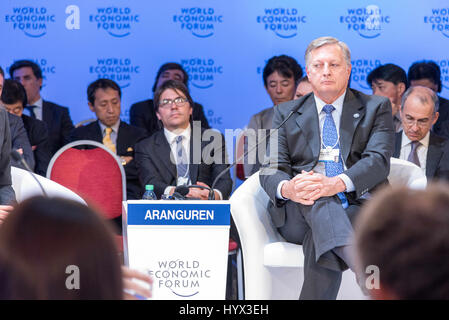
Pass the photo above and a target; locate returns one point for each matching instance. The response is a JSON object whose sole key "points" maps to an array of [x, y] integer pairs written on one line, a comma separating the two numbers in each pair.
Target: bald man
{"points": [[416, 143]]}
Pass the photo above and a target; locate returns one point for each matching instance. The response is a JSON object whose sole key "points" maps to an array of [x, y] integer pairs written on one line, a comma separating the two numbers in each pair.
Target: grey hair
{"points": [[322, 41], [426, 96]]}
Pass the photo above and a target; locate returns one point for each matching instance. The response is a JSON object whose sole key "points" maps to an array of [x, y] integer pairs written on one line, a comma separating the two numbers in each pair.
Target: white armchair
{"points": [[273, 268]]}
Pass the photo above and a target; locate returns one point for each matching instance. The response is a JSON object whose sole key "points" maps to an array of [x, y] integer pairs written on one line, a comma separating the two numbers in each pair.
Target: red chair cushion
{"points": [[94, 175]]}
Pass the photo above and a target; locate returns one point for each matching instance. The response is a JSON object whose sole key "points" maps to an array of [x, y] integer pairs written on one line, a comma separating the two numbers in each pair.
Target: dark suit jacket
{"points": [[19, 140], [366, 144], [38, 135], [59, 125], [127, 138], [143, 115], [437, 161], [441, 127], [156, 168], [7, 195]]}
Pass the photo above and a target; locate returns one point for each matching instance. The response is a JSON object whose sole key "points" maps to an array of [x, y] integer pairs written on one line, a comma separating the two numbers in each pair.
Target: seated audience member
{"points": [[18, 135], [174, 156], [416, 143], [402, 233], [389, 80], [72, 255], [104, 97], [14, 100], [428, 74], [56, 117], [143, 114], [304, 87], [280, 76], [7, 195]]}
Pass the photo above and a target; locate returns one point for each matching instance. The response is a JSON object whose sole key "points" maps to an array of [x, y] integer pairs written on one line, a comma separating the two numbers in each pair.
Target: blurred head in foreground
{"points": [[404, 234], [52, 248]]}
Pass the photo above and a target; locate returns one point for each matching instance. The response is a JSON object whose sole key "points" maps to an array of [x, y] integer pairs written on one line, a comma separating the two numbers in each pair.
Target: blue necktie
{"points": [[181, 159], [330, 139]]}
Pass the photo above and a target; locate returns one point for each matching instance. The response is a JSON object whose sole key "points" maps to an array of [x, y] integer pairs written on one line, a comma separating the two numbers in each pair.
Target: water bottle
{"points": [[149, 193]]}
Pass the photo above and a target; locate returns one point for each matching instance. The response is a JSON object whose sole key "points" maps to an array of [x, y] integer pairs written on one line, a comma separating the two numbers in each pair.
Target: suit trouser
{"points": [[320, 228]]}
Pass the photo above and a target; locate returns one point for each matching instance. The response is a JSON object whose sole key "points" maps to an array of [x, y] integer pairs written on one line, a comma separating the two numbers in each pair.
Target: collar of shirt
{"points": [[338, 104], [406, 141], [37, 110], [171, 136], [114, 127]]}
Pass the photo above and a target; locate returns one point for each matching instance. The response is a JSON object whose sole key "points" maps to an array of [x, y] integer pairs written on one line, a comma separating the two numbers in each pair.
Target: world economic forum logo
{"points": [[283, 22], [202, 72], [182, 277], [33, 21], [439, 20], [121, 70], [360, 70], [201, 22], [116, 21], [444, 67], [367, 22]]}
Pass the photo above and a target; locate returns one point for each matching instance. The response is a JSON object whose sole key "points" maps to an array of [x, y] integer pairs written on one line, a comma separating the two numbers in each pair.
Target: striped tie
{"points": [[181, 159]]}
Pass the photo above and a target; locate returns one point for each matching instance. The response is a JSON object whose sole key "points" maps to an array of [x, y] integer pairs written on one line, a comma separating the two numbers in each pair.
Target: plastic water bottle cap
{"points": [[149, 187]]}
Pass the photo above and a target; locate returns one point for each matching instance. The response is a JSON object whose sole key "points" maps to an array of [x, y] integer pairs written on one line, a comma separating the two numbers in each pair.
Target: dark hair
{"points": [[13, 91], [303, 79], [388, 72], [286, 66], [2, 72], [174, 85], [405, 234], [101, 84], [44, 236], [425, 70], [26, 63], [170, 66]]}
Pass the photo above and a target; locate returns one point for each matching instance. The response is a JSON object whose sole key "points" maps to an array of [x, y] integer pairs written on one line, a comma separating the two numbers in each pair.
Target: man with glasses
{"points": [[182, 153], [416, 143], [104, 100]]}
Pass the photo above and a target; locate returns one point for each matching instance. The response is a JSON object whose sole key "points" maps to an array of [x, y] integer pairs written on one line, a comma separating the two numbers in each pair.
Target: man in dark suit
{"points": [[14, 100], [142, 114], [56, 117], [334, 147], [416, 143], [104, 99], [175, 155], [428, 74]]}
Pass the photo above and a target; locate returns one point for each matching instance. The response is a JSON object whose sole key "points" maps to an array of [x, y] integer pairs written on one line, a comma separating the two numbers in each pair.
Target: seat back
{"points": [[95, 174]]}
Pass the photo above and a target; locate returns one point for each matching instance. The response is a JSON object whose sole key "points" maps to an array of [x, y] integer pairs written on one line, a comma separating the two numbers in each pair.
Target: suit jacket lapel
{"points": [[46, 114], [434, 154], [193, 167], [122, 136], [397, 144], [351, 115], [308, 121], [162, 151], [96, 133]]}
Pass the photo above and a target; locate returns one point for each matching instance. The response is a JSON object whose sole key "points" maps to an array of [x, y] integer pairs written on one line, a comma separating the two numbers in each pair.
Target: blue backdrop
{"points": [[222, 44]]}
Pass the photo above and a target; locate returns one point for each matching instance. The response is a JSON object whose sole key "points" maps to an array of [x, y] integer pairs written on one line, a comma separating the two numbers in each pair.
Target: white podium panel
{"points": [[183, 245]]}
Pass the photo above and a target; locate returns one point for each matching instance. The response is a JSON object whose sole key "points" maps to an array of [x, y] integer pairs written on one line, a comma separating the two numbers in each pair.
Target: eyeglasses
{"points": [[419, 122], [167, 103]]}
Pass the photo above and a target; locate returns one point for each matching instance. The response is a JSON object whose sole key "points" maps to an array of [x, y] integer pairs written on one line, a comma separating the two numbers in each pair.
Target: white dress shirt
{"points": [[421, 150], [336, 115], [171, 138], [37, 110]]}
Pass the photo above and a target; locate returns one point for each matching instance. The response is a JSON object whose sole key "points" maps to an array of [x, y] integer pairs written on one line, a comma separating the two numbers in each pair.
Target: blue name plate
{"points": [[164, 213]]}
